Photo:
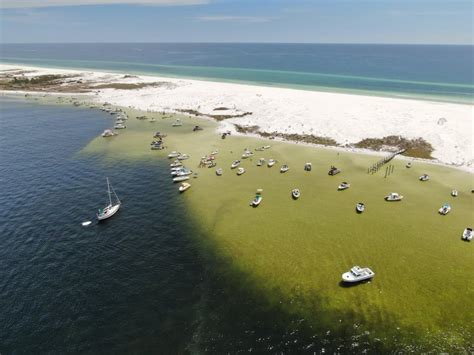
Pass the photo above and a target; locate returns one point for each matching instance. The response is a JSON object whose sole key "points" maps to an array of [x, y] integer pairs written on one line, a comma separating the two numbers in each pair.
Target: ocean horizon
{"points": [[426, 72]]}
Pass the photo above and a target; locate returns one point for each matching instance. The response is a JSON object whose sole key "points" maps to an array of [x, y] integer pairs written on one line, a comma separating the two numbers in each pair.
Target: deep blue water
{"points": [[438, 72]]}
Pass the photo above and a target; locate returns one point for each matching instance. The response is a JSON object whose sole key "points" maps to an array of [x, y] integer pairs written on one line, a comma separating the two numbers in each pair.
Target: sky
{"points": [[284, 21]]}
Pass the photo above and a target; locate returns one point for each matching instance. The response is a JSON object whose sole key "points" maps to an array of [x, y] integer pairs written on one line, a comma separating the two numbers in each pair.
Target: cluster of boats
{"points": [[157, 143], [179, 172], [119, 122]]}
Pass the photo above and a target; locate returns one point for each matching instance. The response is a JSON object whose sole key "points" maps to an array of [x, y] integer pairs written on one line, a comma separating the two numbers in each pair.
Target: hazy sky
{"points": [[335, 21]]}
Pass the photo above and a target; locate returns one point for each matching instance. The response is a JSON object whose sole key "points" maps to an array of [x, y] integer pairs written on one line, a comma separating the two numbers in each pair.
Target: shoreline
{"points": [[267, 108]]}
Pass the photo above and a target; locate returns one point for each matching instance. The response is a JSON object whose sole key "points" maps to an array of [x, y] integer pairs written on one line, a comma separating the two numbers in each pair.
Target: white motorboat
{"points": [[271, 162], [219, 172], [360, 207], [120, 126], [111, 208], [424, 177], [247, 154], [177, 168], [284, 168], [258, 198], [235, 164], [183, 157], [175, 164], [181, 178], [184, 186], [109, 133], [393, 196], [454, 193], [266, 147], [308, 167], [445, 209], [184, 172], [178, 123], [343, 186], [240, 171], [296, 193], [261, 161], [174, 154], [467, 234], [358, 274]]}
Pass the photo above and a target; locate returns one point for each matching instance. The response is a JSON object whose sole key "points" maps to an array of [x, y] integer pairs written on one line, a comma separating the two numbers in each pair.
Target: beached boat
{"points": [[360, 207], [343, 186], [174, 154], [454, 193], [177, 123], [445, 209], [258, 198], [333, 171], [240, 171], [271, 162], [235, 164], [296, 193], [109, 133], [184, 186], [358, 274], [308, 167], [284, 168], [424, 177], [219, 172], [467, 234], [120, 126], [181, 178], [393, 196], [111, 208]]}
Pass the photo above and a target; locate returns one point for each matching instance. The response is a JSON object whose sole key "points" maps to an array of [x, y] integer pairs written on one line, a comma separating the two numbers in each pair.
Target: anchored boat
{"points": [[258, 198], [393, 196], [467, 234], [424, 177], [235, 164], [284, 168], [360, 207], [343, 186], [296, 193], [240, 171], [184, 186], [445, 209], [358, 274], [111, 208], [271, 162]]}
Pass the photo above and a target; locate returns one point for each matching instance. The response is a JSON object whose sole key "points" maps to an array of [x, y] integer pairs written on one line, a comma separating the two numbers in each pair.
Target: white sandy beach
{"points": [[346, 118]]}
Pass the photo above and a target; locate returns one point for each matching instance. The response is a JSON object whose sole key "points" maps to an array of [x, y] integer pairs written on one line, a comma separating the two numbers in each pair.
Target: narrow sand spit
{"points": [[345, 118]]}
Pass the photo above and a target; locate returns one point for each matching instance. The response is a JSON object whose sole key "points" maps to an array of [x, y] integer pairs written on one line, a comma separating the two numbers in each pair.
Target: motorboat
{"points": [[261, 161], [454, 193], [260, 149], [214, 152], [152, 120], [333, 171], [177, 168], [308, 167], [120, 126], [178, 123], [408, 165], [467, 234], [247, 154], [360, 207], [258, 198], [181, 178], [112, 207], [284, 168], [197, 128], [175, 164], [183, 157], [184, 186], [424, 177], [393, 196], [109, 133], [343, 186], [235, 164], [445, 209], [271, 162], [174, 154], [296, 193], [184, 172], [358, 274], [157, 146], [219, 172], [240, 171], [266, 147]]}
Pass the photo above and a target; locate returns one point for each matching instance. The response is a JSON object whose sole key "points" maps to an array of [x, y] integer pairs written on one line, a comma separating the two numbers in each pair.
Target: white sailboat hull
{"points": [[108, 212]]}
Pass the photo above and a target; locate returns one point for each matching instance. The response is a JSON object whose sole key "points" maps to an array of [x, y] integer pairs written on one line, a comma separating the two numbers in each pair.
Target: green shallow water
{"points": [[293, 252]]}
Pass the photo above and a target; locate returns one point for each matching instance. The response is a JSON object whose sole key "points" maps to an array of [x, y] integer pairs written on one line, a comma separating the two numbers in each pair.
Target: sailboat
{"points": [[111, 208]]}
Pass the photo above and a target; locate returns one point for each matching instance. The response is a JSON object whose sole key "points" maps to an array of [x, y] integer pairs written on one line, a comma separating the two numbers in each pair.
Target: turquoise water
{"points": [[441, 73]]}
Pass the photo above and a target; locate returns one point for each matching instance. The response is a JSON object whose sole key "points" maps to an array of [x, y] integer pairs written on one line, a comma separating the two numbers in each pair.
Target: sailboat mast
{"points": [[108, 191]]}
